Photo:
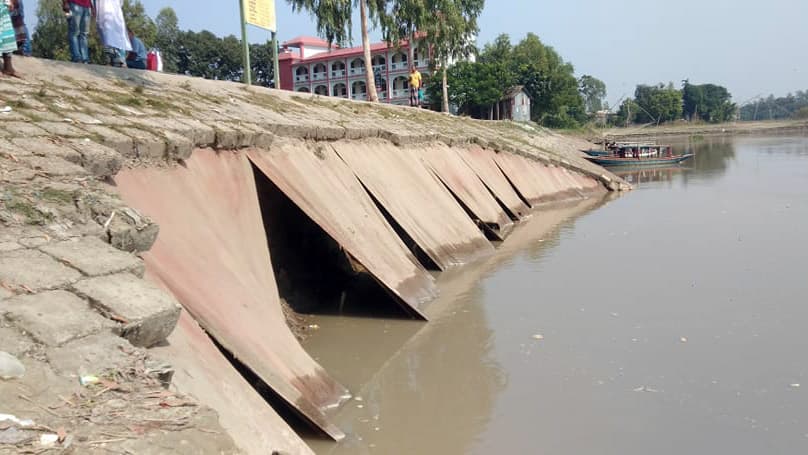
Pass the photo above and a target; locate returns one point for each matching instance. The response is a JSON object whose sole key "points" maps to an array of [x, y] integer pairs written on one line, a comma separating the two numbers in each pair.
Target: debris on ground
{"points": [[10, 367]]}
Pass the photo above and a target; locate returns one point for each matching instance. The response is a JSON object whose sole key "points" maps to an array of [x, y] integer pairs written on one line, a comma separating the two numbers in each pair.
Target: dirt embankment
{"points": [[687, 129]]}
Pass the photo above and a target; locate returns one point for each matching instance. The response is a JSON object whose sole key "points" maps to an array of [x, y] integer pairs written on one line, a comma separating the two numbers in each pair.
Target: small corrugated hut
{"points": [[515, 105]]}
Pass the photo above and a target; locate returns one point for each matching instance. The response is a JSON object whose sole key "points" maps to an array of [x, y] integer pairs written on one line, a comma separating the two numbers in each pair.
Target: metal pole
{"points": [[275, 64], [245, 44]]}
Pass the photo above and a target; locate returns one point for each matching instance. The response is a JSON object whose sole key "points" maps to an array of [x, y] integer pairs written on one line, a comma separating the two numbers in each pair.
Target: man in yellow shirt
{"points": [[415, 86]]}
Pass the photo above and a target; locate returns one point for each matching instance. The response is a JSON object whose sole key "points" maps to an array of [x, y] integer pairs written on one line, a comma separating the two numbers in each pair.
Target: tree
{"points": [[401, 20], [708, 102], [139, 22], [658, 103], [450, 35], [474, 87], [334, 24], [167, 37], [593, 91]]}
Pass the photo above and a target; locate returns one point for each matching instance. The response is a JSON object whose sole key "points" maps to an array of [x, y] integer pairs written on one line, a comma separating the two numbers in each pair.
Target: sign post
{"points": [[260, 13]]}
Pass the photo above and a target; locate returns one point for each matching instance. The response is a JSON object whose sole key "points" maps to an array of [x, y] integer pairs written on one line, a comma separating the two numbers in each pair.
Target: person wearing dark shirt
{"points": [[78, 13], [136, 59]]}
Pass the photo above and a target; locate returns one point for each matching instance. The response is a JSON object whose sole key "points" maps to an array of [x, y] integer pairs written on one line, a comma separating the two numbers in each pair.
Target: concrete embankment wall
{"points": [[213, 252], [238, 198]]}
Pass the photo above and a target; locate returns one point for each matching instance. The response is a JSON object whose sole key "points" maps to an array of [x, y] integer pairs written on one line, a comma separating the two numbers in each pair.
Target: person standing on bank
{"points": [[8, 38], [79, 14], [136, 59], [415, 86], [112, 30], [20, 29]]}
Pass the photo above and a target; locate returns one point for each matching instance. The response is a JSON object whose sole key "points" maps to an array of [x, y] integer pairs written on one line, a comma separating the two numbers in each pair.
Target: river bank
{"points": [[775, 127], [142, 209]]}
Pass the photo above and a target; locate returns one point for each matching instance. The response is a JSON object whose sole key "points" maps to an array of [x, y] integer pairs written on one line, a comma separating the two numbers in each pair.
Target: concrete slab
{"points": [[13, 341], [61, 129], [53, 166], [147, 145], [202, 371], [34, 270], [100, 160], [417, 201], [466, 186], [93, 354], [53, 317], [93, 257], [47, 147], [482, 162], [115, 140], [147, 314], [222, 273], [326, 189], [22, 129]]}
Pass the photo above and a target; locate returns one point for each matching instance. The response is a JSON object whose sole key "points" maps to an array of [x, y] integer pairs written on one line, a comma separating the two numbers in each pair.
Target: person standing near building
{"points": [[136, 59], [8, 39], [415, 86], [78, 13], [112, 30]]}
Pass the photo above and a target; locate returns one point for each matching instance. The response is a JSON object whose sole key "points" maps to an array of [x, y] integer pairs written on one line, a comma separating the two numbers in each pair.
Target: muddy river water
{"points": [[671, 320]]}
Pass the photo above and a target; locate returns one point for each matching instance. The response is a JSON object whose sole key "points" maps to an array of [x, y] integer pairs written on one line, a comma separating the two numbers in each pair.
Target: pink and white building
{"points": [[308, 65]]}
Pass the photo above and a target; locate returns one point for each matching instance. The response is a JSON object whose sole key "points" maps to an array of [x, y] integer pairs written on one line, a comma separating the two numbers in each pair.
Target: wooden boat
{"points": [[634, 161], [594, 152]]}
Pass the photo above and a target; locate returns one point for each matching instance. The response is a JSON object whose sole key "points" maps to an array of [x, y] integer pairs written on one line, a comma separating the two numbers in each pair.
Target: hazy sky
{"points": [[751, 46]]}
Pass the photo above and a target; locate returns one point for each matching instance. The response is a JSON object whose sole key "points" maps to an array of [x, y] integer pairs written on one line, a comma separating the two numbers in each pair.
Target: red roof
{"points": [[307, 41]]}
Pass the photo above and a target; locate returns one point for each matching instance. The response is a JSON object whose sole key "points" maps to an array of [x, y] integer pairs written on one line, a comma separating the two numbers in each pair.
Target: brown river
{"points": [[670, 320]]}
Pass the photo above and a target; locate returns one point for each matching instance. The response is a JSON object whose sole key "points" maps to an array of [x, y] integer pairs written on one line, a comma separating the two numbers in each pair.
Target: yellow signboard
{"points": [[261, 13]]}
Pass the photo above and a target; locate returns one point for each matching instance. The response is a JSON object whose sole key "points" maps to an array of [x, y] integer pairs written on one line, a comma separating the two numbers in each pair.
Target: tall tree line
{"points": [[791, 106]]}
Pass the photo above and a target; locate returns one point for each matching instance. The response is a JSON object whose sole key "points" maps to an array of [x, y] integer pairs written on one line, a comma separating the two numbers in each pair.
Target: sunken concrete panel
{"points": [[326, 189], [417, 201], [482, 162], [466, 186], [212, 254]]}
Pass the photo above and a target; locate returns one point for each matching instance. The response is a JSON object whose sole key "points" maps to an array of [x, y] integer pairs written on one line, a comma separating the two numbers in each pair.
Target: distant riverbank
{"points": [[687, 129]]}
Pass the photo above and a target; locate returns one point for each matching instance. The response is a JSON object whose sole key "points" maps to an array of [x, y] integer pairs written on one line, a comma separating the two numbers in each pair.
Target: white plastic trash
{"points": [[10, 367]]}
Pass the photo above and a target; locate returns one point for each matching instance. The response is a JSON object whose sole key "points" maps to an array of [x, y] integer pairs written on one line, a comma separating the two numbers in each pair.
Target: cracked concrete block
{"points": [[53, 166], [34, 270], [252, 135], [115, 140], [150, 314], [43, 146], [94, 257], [22, 129], [99, 160], [54, 317], [93, 354], [61, 129], [147, 145], [134, 236], [178, 147], [201, 134], [227, 137]]}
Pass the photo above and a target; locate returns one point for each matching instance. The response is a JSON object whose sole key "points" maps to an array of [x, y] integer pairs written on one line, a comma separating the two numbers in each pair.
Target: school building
{"points": [[309, 65]]}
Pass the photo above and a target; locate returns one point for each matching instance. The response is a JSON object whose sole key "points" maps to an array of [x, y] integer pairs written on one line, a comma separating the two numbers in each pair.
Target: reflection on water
{"points": [[429, 388], [672, 321]]}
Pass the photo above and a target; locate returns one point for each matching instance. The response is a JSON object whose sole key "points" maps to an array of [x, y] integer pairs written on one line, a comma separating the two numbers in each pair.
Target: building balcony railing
{"points": [[302, 78], [357, 70], [337, 74], [360, 96], [398, 66], [401, 93], [318, 76]]}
